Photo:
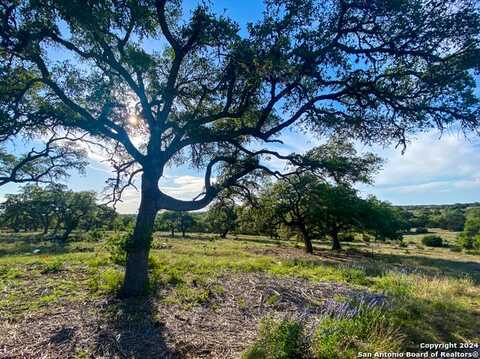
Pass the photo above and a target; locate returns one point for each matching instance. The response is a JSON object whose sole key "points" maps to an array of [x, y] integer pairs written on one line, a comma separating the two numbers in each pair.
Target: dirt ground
{"points": [[222, 327]]}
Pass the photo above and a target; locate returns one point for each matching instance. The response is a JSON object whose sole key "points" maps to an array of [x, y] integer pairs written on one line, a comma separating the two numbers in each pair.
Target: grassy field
{"points": [[246, 296]]}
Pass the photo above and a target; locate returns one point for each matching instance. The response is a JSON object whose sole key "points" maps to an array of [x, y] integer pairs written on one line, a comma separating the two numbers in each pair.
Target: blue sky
{"points": [[434, 169]]}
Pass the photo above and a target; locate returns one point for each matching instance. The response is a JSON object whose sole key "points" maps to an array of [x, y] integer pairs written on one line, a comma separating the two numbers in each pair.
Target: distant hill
{"points": [[440, 206]]}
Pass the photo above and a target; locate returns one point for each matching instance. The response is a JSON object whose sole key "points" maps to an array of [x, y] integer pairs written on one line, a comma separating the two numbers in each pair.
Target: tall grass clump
{"points": [[430, 308], [279, 339], [371, 331], [362, 325], [108, 281]]}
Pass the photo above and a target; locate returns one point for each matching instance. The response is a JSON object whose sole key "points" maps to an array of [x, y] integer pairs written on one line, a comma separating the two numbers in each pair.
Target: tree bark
{"points": [[335, 241], [138, 248], [66, 234], [223, 235], [306, 239], [46, 225]]}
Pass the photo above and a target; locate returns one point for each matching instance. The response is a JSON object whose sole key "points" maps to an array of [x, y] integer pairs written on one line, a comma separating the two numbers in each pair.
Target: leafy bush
{"points": [[470, 237], [469, 242], [51, 267], [432, 241], [283, 339], [108, 281], [96, 234], [116, 246]]}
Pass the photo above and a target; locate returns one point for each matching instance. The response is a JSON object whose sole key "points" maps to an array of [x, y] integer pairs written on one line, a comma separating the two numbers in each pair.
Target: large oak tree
{"points": [[205, 95]]}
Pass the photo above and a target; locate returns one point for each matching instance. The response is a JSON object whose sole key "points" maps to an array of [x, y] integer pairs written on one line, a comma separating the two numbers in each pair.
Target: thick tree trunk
{"points": [[172, 233], [136, 271], [306, 239], [183, 233], [223, 235], [46, 225], [335, 241], [66, 234]]}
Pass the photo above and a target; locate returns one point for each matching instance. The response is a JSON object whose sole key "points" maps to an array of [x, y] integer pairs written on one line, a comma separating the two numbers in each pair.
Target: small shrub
{"points": [[108, 281], [284, 339], [432, 241], [473, 252], [469, 242], [116, 246], [96, 234], [51, 267], [11, 273], [455, 249], [375, 269], [188, 296], [273, 299]]}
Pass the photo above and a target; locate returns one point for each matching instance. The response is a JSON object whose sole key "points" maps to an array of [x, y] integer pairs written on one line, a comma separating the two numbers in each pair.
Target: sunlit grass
{"points": [[435, 293]]}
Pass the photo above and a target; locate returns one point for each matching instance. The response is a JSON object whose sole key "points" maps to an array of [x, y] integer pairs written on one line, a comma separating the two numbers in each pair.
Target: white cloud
{"points": [[467, 184], [432, 159], [439, 186], [130, 201], [434, 169], [182, 187]]}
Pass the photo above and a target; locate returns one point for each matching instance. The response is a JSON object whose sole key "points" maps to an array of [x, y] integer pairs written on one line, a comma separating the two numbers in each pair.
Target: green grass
{"points": [[434, 292], [370, 331], [279, 339]]}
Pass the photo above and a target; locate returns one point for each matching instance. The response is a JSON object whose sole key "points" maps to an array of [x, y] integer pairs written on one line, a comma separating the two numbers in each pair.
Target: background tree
{"points": [[222, 216], [291, 202], [453, 219], [294, 200], [185, 222], [376, 71], [257, 218], [124, 222], [76, 209], [337, 209], [40, 205], [383, 220], [168, 220], [14, 212], [470, 237], [103, 217]]}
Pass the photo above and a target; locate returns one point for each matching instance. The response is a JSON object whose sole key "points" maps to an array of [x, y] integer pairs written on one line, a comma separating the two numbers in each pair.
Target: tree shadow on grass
{"points": [[436, 321], [423, 264], [131, 331], [26, 248], [432, 266]]}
